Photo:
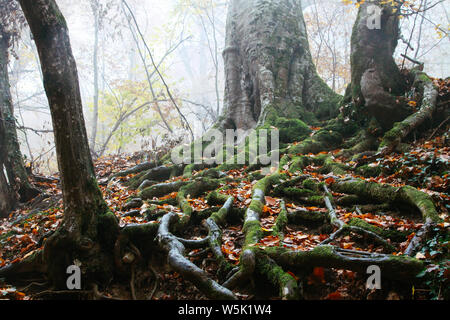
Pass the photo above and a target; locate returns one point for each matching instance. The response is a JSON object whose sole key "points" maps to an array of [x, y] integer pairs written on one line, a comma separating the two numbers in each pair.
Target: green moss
{"points": [[421, 201], [256, 205], [315, 200], [252, 231], [280, 223], [216, 198], [108, 229], [311, 184], [287, 285], [290, 130], [296, 193], [394, 235], [368, 171], [348, 200]]}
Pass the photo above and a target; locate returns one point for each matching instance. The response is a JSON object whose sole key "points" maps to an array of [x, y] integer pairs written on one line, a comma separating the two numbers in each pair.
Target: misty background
{"points": [[186, 40]]}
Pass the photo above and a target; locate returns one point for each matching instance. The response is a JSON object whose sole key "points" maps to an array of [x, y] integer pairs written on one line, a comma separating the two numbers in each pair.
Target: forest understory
{"points": [[308, 230]]}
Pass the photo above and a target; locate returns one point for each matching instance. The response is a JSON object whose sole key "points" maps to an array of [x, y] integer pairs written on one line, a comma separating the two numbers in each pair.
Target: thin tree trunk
{"points": [[95, 62], [88, 230]]}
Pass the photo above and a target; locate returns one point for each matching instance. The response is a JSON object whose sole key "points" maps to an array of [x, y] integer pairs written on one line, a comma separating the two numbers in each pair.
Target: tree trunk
{"points": [[269, 70], [95, 11], [88, 230], [12, 159], [376, 81], [6, 193]]}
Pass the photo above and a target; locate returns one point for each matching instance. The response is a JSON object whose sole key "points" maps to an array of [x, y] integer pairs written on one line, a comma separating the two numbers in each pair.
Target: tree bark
{"points": [[269, 71], [88, 230], [376, 81], [6, 193], [12, 156]]}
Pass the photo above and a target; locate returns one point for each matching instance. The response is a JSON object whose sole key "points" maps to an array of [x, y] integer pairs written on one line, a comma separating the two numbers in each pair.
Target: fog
{"points": [[186, 39]]}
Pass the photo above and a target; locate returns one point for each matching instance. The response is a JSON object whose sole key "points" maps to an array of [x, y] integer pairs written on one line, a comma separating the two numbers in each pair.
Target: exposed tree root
{"points": [[175, 257], [392, 138], [401, 129], [343, 228], [418, 239], [215, 236], [160, 173], [392, 267], [392, 195], [160, 189], [136, 169], [33, 264]]}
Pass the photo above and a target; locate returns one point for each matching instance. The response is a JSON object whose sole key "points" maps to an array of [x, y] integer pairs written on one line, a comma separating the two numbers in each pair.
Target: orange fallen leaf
{"points": [[334, 296], [293, 275], [270, 201]]}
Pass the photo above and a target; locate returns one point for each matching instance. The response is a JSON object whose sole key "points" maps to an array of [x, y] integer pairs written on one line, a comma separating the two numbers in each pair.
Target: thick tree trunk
{"points": [[88, 230], [376, 81], [12, 156], [269, 71]]}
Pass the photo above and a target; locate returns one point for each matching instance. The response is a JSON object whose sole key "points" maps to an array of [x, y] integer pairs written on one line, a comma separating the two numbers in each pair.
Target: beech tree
{"points": [[89, 228], [269, 71], [271, 81]]}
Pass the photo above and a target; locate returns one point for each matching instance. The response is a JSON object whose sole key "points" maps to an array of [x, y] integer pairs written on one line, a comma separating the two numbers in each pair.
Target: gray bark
{"points": [[88, 230], [376, 79], [269, 70]]}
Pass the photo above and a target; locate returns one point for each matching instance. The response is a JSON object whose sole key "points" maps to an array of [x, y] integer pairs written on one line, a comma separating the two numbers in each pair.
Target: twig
{"points": [[412, 60], [439, 127], [157, 70]]}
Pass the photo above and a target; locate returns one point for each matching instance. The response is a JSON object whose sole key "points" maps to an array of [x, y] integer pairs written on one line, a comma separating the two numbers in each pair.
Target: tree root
{"points": [[419, 237], [387, 194], [392, 267], [161, 189], [33, 264], [136, 169], [160, 173], [251, 262], [343, 228], [288, 287], [193, 189], [215, 235], [176, 260], [401, 130]]}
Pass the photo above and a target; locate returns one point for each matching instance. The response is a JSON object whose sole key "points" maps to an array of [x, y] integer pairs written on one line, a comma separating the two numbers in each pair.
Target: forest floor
{"points": [[26, 228]]}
